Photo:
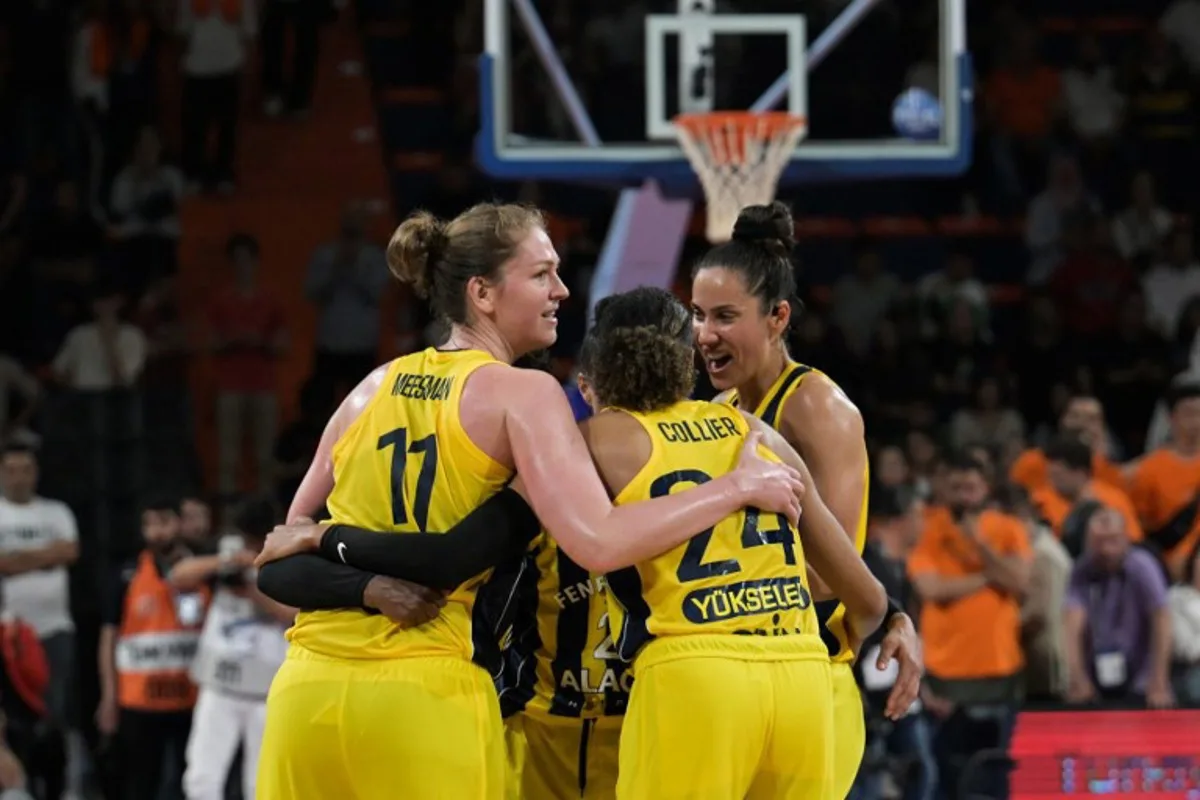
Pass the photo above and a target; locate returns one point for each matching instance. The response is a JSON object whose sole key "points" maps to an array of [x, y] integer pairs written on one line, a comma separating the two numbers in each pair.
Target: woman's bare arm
{"points": [[318, 480], [828, 547], [562, 486], [835, 450]]}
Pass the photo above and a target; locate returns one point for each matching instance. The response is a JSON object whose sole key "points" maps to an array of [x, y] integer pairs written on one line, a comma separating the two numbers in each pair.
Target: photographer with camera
{"points": [[241, 647]]}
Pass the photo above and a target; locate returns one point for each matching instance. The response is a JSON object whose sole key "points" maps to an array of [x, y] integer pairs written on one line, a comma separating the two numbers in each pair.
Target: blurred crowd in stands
{"points": [[96, 347], [1046, 400]]}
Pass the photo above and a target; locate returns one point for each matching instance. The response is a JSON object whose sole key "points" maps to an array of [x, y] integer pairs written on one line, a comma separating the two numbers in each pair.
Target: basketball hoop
{"points": [[738, 156]]}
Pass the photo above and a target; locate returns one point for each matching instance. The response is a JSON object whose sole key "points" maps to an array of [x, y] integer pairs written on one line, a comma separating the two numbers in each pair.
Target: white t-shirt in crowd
{"points": [[81, 363], [1168, 289], [1184, 602], [42, 597], [1092, 101], [215, 46], [241, 649], [1135, 233]]}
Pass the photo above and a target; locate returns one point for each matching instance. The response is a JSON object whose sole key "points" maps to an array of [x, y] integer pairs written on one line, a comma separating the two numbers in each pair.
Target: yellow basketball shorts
{"points": [[849, 728], [558, 757], [728, 716], [419, 728]]}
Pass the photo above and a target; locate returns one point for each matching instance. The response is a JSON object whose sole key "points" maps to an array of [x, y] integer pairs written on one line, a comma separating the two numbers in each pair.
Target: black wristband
{"points": [[893, 610]]}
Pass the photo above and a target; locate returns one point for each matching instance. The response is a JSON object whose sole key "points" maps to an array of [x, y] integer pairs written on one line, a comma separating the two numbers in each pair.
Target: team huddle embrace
{"points": [[664, 600]]}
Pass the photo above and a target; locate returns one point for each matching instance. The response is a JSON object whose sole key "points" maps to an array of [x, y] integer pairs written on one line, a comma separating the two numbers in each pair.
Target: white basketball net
{"points": [[738, 157]]}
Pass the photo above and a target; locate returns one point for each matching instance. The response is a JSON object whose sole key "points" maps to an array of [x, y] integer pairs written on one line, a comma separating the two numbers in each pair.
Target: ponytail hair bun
{"points": [[771, 227], [415, 249]]}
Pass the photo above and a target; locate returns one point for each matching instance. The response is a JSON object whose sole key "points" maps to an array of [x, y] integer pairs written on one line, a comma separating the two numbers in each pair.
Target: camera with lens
{"points": [[231, 574]]}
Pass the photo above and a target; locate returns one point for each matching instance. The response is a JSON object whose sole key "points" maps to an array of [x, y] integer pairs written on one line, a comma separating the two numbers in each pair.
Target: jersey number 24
{"points": [[693, 567]]}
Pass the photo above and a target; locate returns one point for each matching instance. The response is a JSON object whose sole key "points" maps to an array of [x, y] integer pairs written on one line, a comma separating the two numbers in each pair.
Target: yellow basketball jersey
{"points": [[561, 659], [744, 576], [830, 613], [407, 465]]}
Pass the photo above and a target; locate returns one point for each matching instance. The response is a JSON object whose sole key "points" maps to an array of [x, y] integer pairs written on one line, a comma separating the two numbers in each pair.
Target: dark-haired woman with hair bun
{"points": [[743, 293]]}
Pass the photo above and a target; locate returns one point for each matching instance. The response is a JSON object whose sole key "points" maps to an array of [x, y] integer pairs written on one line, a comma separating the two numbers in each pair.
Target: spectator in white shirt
{"points": [[217, 34], [1184, 601], [938, 293], [15, 381], [1172, 283], [38, 542], [1041, 608], [1064, 196], [1093, 103], [992, 422], [1181, 24], [145, 209], [104, 354], [1140, 228], [241, 648]]}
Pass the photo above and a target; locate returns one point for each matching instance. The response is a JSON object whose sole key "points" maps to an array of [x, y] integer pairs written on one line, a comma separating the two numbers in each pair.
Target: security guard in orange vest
{"points": [[147, 642]]}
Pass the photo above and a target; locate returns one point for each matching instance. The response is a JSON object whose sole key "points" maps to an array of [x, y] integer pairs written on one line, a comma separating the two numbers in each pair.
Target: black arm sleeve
{"points": [[498, 530], [312, 583]]}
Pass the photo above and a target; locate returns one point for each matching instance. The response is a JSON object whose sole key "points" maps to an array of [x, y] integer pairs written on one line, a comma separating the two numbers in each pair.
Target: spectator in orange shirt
{"points": [[1165, 485], [1024, 96], [1023, 102], [248, 338], [1062, 502], [1084, 417], [970, 570]]}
